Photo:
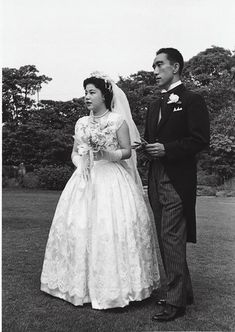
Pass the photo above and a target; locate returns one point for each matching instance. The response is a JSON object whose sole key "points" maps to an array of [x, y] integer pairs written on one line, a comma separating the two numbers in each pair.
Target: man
{"points": [[177, 128]]}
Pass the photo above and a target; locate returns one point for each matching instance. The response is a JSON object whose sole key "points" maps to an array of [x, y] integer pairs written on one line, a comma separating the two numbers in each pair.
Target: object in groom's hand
{"points": [[140, 149], [138, 146]]}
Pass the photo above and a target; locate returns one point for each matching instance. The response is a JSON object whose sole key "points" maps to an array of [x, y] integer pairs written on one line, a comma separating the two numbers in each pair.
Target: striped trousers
{"points": [[172, 233]]}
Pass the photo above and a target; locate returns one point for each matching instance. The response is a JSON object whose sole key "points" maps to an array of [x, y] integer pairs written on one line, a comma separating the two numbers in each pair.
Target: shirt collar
{"points": [[172, 86]]}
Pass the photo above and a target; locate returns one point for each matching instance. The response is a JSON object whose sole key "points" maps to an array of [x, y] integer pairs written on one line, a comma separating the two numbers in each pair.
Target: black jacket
{"points": [[184, 131]]}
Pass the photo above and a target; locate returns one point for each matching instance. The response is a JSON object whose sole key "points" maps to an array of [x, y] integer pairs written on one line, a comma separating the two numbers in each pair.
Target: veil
{"points": [[121, 106]]}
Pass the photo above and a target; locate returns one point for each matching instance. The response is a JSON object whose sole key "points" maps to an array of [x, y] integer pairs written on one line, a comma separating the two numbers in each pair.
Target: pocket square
{"points": [[177, 109]]}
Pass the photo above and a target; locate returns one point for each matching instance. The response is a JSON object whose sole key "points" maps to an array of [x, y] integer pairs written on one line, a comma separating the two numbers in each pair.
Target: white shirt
{"points": [[172, 86]]}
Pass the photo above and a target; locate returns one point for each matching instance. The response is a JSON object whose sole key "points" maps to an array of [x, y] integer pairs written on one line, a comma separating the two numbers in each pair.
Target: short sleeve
{"points": [[118, 119], [78, 129], [80, 123]]}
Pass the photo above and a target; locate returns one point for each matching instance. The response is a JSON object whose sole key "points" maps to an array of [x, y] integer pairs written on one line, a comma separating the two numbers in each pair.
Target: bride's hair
{"points": [[104, 86]]}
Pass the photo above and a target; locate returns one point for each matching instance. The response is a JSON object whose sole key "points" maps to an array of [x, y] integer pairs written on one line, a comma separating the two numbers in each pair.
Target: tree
{"points": [[222, 147], [46, 137], [209, 65], [211, 73], [18, 86], [141, 90]]}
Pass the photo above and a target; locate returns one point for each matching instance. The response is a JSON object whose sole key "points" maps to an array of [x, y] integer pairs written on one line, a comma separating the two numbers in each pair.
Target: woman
{"points": [[101, 246]]}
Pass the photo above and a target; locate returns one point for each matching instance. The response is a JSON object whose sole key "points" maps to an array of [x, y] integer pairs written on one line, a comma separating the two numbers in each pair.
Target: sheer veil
{"points": [[121, 106]]}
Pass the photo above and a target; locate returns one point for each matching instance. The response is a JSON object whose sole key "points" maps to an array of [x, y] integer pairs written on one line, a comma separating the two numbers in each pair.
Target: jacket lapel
{"points": [[154, 116], [166, 115], [169, 107]]}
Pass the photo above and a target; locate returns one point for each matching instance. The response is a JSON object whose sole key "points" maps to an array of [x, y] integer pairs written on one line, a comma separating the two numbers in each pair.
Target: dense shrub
{"points": [[206, 191], [54, 177], [30, 181], [205, 179], [222, 155]]}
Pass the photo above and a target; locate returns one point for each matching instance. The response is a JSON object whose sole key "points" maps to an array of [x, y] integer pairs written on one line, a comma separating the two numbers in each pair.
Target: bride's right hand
{"points": [[97, 155]]}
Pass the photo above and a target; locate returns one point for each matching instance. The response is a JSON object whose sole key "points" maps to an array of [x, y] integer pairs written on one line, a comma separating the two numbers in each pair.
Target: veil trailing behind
{"points": [[101, 247], [120, 105]]}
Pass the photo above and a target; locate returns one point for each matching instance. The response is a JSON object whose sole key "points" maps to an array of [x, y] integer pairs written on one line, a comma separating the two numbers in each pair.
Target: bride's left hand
{"points": [[97, 155]]}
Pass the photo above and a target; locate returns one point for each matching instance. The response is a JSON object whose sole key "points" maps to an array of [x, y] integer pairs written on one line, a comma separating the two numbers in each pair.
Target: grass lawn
{"points": [[27, 217]]}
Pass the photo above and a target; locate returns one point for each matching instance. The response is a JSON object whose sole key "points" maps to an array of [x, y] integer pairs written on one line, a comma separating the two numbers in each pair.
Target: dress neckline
{"points": [[101, 118]]}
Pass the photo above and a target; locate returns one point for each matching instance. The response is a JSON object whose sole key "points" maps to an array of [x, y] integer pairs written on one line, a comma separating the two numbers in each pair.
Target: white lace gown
{"points": [[102, 246]]}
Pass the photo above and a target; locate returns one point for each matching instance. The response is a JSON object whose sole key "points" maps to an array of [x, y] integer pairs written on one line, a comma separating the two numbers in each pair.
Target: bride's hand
{"points": [[97, 156]]}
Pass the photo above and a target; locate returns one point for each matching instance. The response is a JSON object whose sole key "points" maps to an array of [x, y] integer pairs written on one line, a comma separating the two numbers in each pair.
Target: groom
{"points": [[177, 128]]}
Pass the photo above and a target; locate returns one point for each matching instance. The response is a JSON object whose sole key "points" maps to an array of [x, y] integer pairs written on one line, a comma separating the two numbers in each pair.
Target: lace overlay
{"points": [[101, 245]]}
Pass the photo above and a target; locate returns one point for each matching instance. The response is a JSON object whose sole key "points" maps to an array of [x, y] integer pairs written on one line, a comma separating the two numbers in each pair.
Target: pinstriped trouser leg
{"points": [[171, 229]]}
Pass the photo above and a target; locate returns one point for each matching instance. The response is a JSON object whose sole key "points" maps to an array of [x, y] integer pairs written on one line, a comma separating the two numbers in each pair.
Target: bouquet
{"points": [[96, 138]]}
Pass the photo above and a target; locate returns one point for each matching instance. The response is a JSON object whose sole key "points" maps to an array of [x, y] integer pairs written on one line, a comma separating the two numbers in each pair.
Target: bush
{"points": [[54, 177], [206, 191], [222, 155], [207, 179], [10, 183], [30, 181]]}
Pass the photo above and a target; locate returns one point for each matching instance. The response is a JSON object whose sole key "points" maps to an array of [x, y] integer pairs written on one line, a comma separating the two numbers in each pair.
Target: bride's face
{"points": [[94, 98]]}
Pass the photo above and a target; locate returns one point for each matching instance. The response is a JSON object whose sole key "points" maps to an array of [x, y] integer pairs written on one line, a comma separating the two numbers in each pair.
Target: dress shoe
{"points": [[160, 310], [161, 302], [169, 313]]}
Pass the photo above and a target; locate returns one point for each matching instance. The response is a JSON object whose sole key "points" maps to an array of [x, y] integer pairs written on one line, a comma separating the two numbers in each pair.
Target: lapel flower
{"points": [[173, 99]]}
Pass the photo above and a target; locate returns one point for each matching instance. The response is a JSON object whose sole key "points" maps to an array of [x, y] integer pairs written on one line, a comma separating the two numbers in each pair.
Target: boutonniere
{"points": [[174, 99]]}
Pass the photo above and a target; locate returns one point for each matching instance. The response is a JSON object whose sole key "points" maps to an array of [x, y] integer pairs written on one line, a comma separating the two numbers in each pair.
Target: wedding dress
{"points": [[102, 246]]}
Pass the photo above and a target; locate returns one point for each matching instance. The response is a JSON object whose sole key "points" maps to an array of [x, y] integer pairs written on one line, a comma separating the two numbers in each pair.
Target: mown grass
{"points": [[27, 217]]}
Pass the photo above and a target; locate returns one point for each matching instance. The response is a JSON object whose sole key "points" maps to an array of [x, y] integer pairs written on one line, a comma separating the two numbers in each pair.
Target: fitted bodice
{"points": [[101, 133]]}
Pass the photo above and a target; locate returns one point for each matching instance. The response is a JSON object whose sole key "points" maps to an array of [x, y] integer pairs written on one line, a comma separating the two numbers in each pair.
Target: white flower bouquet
{"points": [[95, 138]]}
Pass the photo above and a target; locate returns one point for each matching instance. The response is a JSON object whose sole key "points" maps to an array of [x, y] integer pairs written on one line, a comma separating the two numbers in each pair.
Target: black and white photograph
{"points": [[118, 165]]}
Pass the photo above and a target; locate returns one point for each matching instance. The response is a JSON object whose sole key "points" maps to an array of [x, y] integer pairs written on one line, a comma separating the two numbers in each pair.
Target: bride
{"points": [[102, 246]]}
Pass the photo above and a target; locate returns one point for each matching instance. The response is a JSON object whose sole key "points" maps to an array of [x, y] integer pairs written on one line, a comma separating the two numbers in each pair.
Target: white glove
{"points": [[81, 164], [76, 159]]}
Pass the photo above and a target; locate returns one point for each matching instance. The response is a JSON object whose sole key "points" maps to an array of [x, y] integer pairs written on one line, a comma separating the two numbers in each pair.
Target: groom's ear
{"points": [[176, 67]]}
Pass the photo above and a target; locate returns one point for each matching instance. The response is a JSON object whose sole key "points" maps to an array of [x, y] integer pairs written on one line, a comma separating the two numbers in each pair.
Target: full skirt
{"points": [[101, 247]]}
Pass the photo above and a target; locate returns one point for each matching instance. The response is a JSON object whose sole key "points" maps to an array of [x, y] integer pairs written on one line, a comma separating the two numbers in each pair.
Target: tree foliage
{"points": [[46, 137], [141, 90], [211, 73], [18, 85]]}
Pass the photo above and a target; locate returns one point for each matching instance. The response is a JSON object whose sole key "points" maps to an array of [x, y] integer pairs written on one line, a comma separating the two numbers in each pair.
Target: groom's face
{"points": [[163, 70]]}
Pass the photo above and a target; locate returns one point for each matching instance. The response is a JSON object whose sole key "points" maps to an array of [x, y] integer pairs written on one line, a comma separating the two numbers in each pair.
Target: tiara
{"points": [[99, 74]]}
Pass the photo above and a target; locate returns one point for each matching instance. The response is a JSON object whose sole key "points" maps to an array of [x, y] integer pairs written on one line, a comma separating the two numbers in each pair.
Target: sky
{"points": [[68, 39]]}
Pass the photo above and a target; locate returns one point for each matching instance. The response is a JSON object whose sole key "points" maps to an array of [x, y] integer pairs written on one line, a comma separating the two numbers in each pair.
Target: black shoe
{"points": [[160, 310], [161, 302], [169, 313]]}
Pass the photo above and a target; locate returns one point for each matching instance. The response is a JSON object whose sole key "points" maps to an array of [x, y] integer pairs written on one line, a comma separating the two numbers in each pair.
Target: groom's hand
{"points": [[155, 150]]}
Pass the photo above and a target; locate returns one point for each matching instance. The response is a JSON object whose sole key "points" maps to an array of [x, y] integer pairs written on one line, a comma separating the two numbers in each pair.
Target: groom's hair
{"points": [[173, 56]]}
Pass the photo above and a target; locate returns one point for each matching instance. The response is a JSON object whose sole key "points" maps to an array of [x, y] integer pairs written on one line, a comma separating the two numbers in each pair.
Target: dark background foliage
{"points": [[39, 134]]}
